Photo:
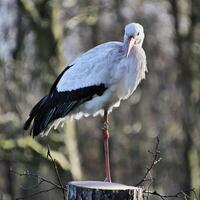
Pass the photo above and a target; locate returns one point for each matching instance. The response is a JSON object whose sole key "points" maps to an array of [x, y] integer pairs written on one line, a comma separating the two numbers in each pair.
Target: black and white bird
{"points": [[93, 84]]}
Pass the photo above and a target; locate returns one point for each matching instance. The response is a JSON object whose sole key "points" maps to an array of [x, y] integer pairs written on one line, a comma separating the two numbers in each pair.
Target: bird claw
{"points": [[107, 180]]}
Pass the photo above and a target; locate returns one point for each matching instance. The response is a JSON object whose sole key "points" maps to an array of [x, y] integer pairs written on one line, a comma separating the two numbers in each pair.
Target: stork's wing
{"points": [[92, 68], [87, 76]]}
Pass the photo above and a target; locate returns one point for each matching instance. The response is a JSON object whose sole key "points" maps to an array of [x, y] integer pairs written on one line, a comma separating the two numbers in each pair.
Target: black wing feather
{"points": [[34, 112], [53, 87], [59, 104]]}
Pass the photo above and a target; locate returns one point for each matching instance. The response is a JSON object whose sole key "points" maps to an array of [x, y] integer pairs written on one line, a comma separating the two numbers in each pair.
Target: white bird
{"points": [[93, 84]]}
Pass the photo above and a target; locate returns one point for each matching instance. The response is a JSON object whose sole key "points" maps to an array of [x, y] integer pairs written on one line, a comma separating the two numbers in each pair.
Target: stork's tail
{"points": [[33, 114], [45, 112]]}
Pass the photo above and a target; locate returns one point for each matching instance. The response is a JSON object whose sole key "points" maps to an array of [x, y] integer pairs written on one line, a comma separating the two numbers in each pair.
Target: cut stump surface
{"points": [[99, 190]]}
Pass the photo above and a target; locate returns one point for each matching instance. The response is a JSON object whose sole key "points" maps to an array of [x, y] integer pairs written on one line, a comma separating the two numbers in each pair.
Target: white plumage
{"points": [[108, 64], [119, 66], [93, 84]]}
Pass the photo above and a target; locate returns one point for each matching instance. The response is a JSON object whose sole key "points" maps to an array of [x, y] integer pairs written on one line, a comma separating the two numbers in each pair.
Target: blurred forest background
{"points": [[38, 38]]}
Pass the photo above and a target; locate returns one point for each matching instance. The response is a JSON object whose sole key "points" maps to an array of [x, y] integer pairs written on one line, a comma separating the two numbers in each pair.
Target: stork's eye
{"points": [[138, 33]]}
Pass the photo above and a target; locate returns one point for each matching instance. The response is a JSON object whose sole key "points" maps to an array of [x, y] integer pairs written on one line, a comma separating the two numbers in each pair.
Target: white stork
{"points": [[93, 84]]}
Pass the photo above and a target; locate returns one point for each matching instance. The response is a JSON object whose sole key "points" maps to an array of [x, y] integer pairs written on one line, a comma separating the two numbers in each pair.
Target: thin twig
{"points": [[43, 179], [36, 193], [56, 170], [154, 161], [148, 189], [178, 195], [32, 187], [29, 174]]}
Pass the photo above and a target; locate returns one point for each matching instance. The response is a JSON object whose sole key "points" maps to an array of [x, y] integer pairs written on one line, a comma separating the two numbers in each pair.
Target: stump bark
{"points": [[99, 190]]}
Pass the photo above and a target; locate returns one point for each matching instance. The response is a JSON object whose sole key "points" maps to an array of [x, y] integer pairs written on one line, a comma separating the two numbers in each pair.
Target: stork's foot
{"points": [[108, 180]]}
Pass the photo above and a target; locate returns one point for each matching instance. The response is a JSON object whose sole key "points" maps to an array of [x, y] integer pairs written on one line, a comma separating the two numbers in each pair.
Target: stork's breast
{"points": [[133, 73]]}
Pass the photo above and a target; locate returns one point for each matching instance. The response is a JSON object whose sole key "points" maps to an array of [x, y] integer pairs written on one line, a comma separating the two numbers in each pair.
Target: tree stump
{"points": [[99, 190]]}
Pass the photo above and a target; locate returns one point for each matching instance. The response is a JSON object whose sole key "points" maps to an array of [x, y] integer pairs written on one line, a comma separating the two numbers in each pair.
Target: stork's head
{"points": [[134, 35]]}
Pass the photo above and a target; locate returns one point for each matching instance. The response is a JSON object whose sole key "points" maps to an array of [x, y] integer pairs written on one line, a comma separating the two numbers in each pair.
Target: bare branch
{"points": [[56, 170], [156, 159], [32, 187], [178, 195], [39, 178], [36, 193]]}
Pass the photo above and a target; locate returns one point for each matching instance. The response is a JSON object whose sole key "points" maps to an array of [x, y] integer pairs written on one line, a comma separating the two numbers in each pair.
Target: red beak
{"points": [[130, 46]]}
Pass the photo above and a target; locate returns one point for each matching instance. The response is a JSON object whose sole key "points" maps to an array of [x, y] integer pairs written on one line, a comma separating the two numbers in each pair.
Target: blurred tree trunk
{"points": [[187, 63], [5, 180], [72, 150], [117, 5], [45, 19]]}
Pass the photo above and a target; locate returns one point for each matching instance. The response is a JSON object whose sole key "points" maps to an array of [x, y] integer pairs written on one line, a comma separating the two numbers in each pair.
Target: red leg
{"points": [[106, 146]]}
